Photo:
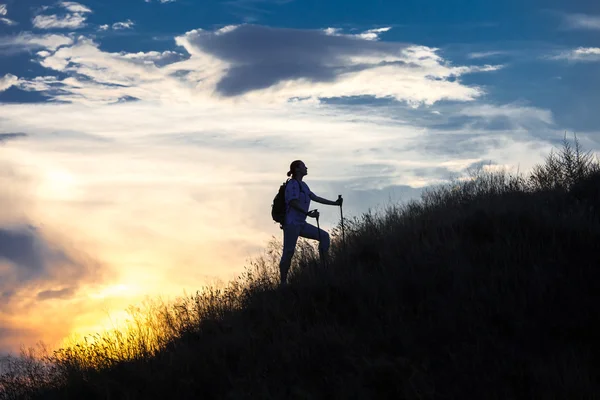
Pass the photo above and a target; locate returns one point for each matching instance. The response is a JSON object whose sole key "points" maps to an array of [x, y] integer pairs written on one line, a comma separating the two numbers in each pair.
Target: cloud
{"points": [[8, 22], [253, 63], [23, 248], [56, 294], [582, 21], [7, 81], [29, 261], [28, 41], [508, 116], [117, 25], [581, 54], [74, 19], [9, 335], [3, 13], [74, 7], [38, 266], [123, 25], [69, 21], [371, 34], [4, 137], [486, 54], [297, 63]]}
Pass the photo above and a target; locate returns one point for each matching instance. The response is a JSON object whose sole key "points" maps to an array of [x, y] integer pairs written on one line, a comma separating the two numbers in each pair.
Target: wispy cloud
{"points": [[70, 21], [3, 13], [486, 54], [65, 293], [582, 21], [74, 7], [509, 116], [74, 18], [581, 54], [4, 137], [29, 41], [8, 21], [371, 34]]}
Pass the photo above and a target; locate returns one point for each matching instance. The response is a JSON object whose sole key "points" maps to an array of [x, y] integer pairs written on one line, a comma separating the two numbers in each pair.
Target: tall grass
{"points": [[484, 287]]}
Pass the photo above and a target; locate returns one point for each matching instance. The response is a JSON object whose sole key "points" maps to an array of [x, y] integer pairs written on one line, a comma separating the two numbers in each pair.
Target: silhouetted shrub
{"points": [[561, 170]]}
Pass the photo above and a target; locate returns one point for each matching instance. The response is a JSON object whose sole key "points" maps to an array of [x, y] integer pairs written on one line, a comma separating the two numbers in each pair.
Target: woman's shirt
{"points": [[301, 192]]}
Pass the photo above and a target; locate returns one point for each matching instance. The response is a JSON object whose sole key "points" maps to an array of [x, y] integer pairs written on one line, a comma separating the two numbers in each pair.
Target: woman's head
{"points": [[297, 168]]}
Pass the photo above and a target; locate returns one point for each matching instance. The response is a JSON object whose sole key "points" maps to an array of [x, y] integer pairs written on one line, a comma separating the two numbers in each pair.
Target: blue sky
{"points": [[517, 34], [141, 142]]}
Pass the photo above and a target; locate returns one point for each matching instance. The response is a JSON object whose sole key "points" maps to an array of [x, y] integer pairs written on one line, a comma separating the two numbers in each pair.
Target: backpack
{"points": [[278, 206]]}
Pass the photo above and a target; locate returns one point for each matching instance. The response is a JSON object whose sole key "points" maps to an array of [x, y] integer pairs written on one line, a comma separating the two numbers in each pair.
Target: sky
{"points": [[142, 142]]}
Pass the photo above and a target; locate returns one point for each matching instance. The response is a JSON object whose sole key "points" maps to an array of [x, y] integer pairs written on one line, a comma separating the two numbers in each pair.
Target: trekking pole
{"points": [[343, 232], [318, 233], [342, 218], [318, 228]]}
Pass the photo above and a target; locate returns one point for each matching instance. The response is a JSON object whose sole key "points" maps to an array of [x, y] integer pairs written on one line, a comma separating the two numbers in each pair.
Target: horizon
{"points": [[141, 145]]}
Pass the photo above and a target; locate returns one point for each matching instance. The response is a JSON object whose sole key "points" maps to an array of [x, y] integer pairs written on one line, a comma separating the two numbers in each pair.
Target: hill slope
{"points": [[487, 289]]}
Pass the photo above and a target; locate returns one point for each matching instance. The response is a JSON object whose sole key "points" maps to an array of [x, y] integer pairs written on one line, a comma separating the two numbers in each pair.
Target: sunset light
{"points": [[143, 143]]}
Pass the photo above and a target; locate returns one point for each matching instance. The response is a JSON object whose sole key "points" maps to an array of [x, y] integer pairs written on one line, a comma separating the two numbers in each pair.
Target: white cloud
{"points": [[28, 41], [485, 54], [70, 21], [117, 26], [74, 7], [74, 19], [8, 81], [3, 19], [123, 25], [8, 22], [518, 116], [371, 34], [582, 54], [582, 21]]}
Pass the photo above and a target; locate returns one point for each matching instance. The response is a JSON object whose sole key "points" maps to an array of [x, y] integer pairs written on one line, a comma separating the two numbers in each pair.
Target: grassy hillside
{"points": [[487, 288]]}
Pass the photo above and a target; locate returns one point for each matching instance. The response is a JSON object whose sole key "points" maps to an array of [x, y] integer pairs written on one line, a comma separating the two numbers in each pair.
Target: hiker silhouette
{"points": [[297, 202]]}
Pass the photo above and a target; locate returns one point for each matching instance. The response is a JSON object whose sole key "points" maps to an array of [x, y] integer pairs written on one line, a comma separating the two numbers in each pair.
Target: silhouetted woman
{"points": [[297, 202]]}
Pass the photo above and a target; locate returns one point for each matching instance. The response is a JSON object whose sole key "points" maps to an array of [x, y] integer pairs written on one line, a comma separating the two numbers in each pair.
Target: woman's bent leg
{"points": [[312, 232]]}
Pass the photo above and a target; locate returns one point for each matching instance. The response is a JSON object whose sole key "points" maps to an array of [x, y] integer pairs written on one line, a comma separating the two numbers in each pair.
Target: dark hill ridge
{"points": [[489, 289]]}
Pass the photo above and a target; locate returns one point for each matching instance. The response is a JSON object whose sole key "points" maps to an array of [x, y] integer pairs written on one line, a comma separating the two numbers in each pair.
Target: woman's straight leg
{"points": [[290, 238]]}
